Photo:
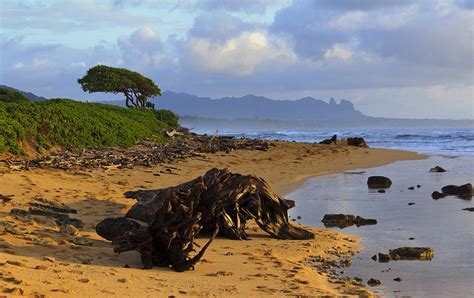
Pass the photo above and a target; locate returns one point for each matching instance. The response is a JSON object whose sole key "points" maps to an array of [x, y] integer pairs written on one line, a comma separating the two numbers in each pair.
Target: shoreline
{"points": [[265, 267]]}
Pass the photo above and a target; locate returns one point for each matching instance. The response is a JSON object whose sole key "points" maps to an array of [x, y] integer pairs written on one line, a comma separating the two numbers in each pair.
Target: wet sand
{"points": [[36, 258]]}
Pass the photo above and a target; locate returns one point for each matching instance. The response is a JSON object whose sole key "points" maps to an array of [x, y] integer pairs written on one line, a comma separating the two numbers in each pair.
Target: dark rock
{"points": [[6, 198], [374, 257], [379, 182], [384, 258], [436, 195], [111, 228], [358, 142], [437, 169], [381, 191], [61, 219], [418, 186], [54, 208], [454, 190], [397, 279], [411, 188], [413, 253], [332, 140], [345, 220], [411, 203], [469, 209], [374, 282], [411, 238]]}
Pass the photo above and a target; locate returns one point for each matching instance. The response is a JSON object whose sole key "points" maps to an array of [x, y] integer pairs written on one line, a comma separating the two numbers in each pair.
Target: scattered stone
{"points": [[61, 219], [374, 257], [374, 282], [411, 188], [6, 198], [14, 291], [16, 263], [411, 203], [384, 258], [82, 241], [411, 238], [345, 220], [418, 186], [220, 273], [464, 190], [437, 169], [397, 279], [381, 191], [69, 230], [413, 253], [122, 280], [49, 259], [84, 280], [469, 209], [379, 182], [54, 207], [41, 267], [436, 195]]}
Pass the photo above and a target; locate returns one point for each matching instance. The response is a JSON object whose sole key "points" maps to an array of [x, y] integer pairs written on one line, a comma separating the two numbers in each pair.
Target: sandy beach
{"points": [[37, 259]]}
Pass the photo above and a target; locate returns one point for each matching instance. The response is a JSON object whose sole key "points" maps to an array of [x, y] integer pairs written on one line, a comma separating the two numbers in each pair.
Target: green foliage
{"points": [[76, 124], [136, 88], [167, 117], [10, 96]]}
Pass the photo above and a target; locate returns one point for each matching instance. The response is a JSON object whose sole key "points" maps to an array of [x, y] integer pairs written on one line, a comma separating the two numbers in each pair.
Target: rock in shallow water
{"points": [[464, 190], [437, 169], [413, 253], [345, 220], [379, 182], [374, 282]]}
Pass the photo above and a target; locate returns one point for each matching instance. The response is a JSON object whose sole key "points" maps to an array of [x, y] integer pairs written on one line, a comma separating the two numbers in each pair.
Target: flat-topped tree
{"points": [[136, 87]]}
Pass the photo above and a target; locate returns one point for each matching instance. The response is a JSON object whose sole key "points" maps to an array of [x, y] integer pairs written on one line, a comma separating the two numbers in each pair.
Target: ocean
{"points": [[428, 141], [439, 224]]}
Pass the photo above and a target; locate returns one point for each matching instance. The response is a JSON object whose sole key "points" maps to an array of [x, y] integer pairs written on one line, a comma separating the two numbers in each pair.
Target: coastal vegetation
{"points": [[42, 125], [136, 87]]}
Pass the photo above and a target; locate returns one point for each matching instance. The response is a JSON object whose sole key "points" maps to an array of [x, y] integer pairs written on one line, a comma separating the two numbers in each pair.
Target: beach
{"points": [[38, 259]]}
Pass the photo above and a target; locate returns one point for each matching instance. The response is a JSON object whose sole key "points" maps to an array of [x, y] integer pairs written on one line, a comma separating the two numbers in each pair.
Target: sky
{"points": [[392, 58]]}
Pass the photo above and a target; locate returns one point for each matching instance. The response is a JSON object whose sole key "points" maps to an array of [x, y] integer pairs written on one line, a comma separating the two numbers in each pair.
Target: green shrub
{"points": [[167, 117], [11, 96], [71, 123]]}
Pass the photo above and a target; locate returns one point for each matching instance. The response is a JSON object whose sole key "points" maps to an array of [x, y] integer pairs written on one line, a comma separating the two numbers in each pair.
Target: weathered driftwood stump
{"points": [[163, 223]]}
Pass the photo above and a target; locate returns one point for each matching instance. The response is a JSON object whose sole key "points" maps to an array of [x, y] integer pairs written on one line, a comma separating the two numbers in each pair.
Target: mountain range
{"points": [[251, 112]]}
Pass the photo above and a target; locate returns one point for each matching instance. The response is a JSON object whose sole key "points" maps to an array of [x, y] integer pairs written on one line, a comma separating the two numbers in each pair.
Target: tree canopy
{"points": [[10, 96], [136, 87]]}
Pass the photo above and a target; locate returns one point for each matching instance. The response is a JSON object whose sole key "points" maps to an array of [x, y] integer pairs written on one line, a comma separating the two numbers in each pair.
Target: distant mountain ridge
{"points": [[29, 95], [255, 107]]}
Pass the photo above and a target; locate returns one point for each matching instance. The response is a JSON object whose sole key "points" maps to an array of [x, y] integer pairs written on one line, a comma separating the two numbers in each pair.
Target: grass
{"points": [[68, 123]]}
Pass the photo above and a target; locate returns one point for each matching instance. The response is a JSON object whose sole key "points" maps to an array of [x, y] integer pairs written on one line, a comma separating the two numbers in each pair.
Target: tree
{"points": [[10, 96], [136, 87]]}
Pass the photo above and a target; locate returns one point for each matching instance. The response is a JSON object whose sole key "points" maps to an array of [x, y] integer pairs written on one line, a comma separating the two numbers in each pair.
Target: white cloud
{"points": [[338, 52], [236, 56]]}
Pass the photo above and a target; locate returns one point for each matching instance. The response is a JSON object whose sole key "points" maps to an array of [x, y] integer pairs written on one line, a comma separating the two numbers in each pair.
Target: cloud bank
{"points": [[389, 57]]}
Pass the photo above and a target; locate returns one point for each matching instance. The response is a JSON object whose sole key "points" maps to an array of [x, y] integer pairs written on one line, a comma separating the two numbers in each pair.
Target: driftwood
{"points": [[163, 224], [143, 154]]}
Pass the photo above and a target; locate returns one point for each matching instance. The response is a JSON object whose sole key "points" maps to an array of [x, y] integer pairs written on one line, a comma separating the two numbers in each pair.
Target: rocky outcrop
{"points": [[412, 253], [437, 169], [345, 220], [379, 182], [464, 190], [358, 142]]}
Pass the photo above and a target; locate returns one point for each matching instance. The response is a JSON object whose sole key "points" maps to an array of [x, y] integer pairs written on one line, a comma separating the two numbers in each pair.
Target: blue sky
{"points": [[393, 58]]}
